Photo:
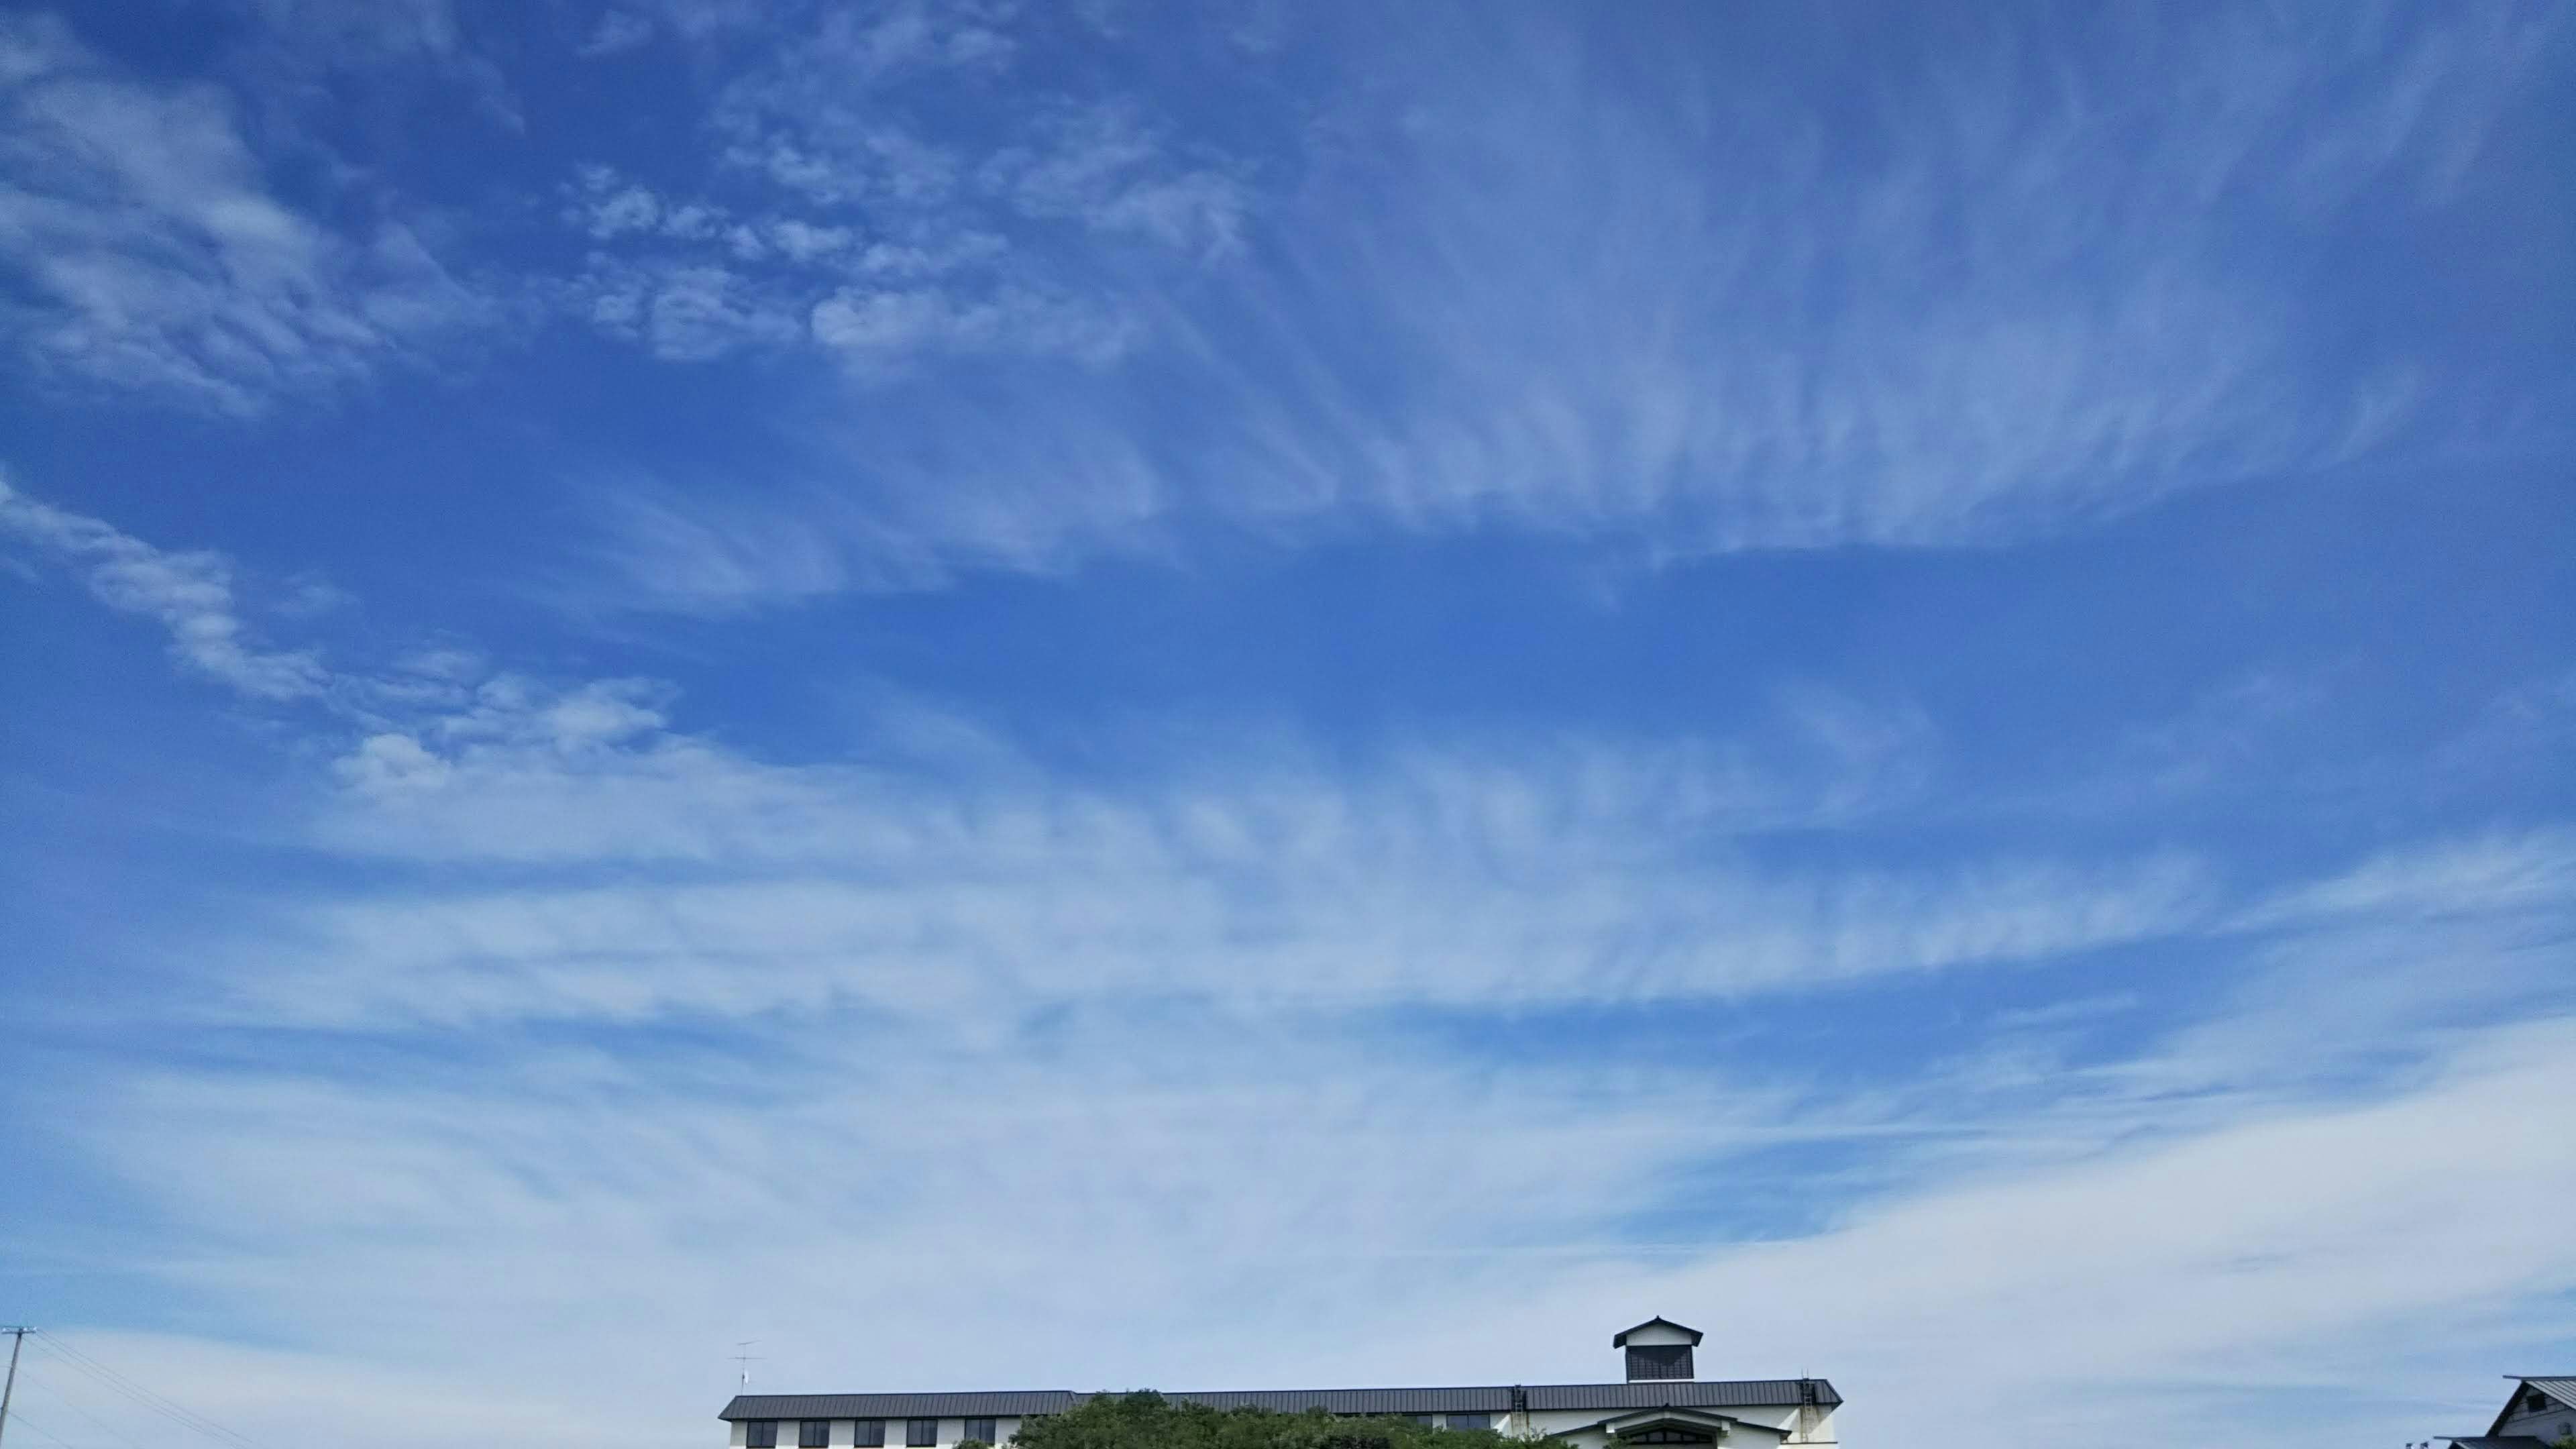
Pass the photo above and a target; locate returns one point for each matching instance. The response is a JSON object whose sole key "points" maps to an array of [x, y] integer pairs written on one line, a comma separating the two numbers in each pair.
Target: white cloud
{"points": [[617, 32], [2474, 877], [893, 325], [1103, 168], [228, 1384], [804, 241], [156, 258], [946, 254], [2129, 1297], [630, 209], [1084, 1198], [856, 47], [292, 44], [960, 876], [389, 28], [607, 206], [893, 242], [1951, 309], [1348, 1218], [608, 1028], [685, 311], [1090, 1204], [191, 594]]}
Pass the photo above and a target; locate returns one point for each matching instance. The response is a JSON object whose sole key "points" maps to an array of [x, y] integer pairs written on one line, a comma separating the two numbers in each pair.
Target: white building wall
{"points": [[845, 1432]]}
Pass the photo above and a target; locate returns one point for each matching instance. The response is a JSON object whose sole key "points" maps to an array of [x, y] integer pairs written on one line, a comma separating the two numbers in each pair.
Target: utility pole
{"points": [[17, 1341]]}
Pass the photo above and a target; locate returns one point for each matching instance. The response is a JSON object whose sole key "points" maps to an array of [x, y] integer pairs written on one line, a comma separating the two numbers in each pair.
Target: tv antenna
{"points": [[745, 1360]]}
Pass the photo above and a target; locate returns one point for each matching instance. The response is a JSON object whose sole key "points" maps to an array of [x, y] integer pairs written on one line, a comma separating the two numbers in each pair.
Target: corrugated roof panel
{"points": [[2563, 1390], [1681, 1394], [1004, 1403], [1357, 1401]]}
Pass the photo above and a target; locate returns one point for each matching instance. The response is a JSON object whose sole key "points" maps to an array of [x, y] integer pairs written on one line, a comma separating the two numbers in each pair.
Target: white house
{"points": [[2541, 1412], [1660, 1401]]}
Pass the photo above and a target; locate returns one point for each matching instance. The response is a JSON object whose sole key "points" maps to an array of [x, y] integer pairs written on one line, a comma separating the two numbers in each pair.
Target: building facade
{"points": [[1659, 1402]]}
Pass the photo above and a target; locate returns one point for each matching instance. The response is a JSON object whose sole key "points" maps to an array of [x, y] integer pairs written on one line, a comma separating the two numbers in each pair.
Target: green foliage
{"points": [[1149, 1421]]}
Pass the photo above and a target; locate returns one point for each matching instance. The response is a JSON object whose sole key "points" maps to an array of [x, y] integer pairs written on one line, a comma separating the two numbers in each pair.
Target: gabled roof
{"points": [[1620, 1339], [2489, 1441], [2561, 1387]]}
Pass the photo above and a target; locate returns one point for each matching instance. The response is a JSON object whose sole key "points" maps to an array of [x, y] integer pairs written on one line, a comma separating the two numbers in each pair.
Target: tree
{"points": [[1150, 1421]]}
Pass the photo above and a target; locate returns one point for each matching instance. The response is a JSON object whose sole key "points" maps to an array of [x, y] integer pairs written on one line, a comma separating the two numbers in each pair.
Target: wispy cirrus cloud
{"points": [[2032, 962], [189, 593], [1529, 295], [1453, 873], [2499, 872], [854, 233], [2213, 1267], [585, 993], [153, 255]]}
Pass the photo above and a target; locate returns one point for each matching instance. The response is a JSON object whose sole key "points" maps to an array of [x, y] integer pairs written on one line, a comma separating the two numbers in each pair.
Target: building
{"points": [[1660, 1401], [2541, 1412]]}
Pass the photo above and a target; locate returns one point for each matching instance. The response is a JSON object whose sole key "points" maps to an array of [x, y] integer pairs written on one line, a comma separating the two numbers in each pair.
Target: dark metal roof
{"points": [[1008, 1403], [1620, 1339], [2561, 1387], [2510, 1441], [2557, 1386], [1496, 1399], [1681, 1394], [1357, 1401]]}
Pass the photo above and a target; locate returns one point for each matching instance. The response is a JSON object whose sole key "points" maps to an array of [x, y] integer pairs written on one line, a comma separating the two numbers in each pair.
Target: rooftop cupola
{"points": [[1657, 1349]]}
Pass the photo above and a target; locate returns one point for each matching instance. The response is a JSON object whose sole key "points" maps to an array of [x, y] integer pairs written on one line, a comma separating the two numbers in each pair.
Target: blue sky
{"points": [[1268, 695]]}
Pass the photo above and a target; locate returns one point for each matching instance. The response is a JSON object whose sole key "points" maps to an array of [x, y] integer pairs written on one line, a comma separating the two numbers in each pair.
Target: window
{"points": [[868, 1433], [981, 1431], [1425, 1420], [1471, 1421], [1665, 1436], [920, 1433], [760, 1434], [813, 1433]]}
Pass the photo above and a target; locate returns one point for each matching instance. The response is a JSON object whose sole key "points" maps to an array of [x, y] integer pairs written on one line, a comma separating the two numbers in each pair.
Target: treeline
{"points": [[1150, 1421]]}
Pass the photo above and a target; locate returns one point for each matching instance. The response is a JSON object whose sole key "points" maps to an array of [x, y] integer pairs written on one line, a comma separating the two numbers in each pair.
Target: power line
{"points": [[74, 1404], [168, 1408], [26, 1423], [160, 1404]]}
